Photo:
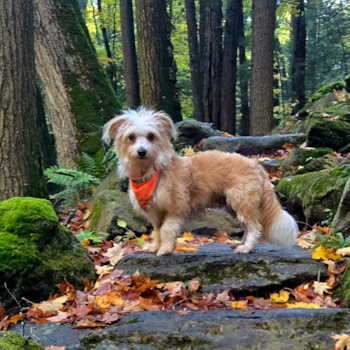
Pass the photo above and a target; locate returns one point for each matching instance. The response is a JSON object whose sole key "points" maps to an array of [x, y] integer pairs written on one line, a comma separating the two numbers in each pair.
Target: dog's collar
{"points": [[145, 189]]}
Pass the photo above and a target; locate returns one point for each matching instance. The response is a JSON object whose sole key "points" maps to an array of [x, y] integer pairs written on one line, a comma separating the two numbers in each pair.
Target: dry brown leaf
{"points": [[115, 254], [59, 317], [53, 305], [194, 286], [343, 341], [343, 251], [321, 287]]}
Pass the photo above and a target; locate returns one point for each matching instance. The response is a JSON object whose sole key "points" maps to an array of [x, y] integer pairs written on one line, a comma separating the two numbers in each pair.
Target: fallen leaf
{"points": [[188, 236], [343, 341], [223, 296], [2, 312], [149, 305], [343, 251], [321, 287], [53, 305], [303, 305], [109, 318], [88, 324], [240, 305], [194, 286], [52, 347], [323, 253], [59, 317], [281, 297], [115, 254], [304, 244], [103, 270], [188, 151]]}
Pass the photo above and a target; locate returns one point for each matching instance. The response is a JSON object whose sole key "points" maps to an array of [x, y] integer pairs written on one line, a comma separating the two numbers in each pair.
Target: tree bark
{"points": [[213, 63], [196, 78], [111, 70], [78, 98], [261, 76], [229, 68], [299, 57], [20, 158], [129, 54], [157, 67]]}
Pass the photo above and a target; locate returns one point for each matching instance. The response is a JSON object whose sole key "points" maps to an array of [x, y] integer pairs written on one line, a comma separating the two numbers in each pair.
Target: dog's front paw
{"points": [[150, 247], [165, 249], [243, 249]]}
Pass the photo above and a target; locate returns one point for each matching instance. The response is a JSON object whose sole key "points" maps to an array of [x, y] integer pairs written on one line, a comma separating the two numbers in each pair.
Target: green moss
{"points": [[13, 341], [28, 217], [302, 156], [338, 85], [93, 100], [17, 253], [311, 186], [65, 263], [343, 290]]}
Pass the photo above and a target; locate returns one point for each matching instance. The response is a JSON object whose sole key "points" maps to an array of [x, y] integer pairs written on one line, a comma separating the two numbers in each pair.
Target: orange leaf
{"points": [[149, 305], [241, 305]]}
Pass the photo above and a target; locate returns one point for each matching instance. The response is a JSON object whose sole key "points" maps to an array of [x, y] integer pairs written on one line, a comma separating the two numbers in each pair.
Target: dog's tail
{"points": [[279, 227]]}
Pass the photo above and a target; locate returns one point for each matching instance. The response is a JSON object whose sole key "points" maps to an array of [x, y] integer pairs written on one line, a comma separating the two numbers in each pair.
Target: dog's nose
{"points": [[142, 152]]}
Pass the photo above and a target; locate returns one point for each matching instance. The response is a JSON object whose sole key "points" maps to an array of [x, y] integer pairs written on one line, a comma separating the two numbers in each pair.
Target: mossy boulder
{"points": [[109, 206], [308, 195], [343, 290], [302, 156], [328, 88], [13, 341], [190, 132], [36, 253], [326, 162]]}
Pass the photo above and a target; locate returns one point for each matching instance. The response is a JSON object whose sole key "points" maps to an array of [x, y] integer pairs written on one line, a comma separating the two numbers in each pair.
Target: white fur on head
{"points": [[140, 124]]}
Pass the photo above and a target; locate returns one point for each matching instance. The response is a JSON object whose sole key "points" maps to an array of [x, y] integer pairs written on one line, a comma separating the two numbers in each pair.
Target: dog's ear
{"points": [[110, 129], [166, 123]]}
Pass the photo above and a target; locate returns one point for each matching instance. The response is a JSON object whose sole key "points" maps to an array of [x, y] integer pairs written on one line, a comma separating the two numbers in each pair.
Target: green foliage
{"points": [[75, 184], [330, 240], [93, 237]]}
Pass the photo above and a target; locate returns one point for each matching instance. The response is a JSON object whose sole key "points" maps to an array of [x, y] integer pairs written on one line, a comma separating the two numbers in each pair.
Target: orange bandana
{"points": [[144, 190]]}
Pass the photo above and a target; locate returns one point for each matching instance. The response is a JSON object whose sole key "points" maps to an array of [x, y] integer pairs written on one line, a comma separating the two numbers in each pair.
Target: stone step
{"points": [[287, 329], [216, 266]]}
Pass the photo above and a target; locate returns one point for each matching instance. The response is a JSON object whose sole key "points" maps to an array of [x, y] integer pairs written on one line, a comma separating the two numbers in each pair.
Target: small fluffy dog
{"points": [[167, 188]]}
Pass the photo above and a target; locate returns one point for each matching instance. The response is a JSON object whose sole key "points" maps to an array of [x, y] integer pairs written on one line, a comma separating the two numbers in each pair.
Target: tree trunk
{"points": [[111, 69], [229, 68], [213, 63], [261, 76], [129, 54], [77, 96], [157, 67], [243, 74], [196, 79], [299, 57], [20, 158]]}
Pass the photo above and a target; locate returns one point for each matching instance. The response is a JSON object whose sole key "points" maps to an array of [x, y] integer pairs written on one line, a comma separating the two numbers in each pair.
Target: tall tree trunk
{"points": [[157, 67], [229, 68], [213, 63], [20, 157], [243, 74], [129, 54], [111, 70], [261, 75], [77, 96], [83, 4], [196, 78], [299, 57]]}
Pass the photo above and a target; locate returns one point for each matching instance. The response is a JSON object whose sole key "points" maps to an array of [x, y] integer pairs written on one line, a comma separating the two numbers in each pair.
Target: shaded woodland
{"points": [[246, 67]]}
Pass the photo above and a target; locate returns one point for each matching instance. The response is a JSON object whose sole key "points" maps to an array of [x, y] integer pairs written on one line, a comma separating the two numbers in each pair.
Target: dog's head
{"points": [[141, 140]]}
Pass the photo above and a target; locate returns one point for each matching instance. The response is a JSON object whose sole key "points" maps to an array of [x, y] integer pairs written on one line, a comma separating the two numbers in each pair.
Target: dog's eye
{"points": [[132, 137], [150, 137]]}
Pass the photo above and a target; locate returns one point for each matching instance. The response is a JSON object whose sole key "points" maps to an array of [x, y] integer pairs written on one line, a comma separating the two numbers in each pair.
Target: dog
{"points": [[167, 188]]}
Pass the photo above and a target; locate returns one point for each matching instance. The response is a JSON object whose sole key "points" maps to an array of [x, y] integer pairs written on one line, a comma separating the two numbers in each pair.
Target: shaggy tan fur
{"points": [[193, 183]]}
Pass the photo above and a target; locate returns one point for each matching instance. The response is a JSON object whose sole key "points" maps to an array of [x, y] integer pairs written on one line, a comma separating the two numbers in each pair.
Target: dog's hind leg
{"points": [[154, 246], [246, 205], [168, 231]]}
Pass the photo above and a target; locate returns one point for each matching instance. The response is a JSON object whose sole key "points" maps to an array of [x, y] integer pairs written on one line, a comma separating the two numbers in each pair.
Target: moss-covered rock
{"points": [[303, 156], [13, 341], [343, 290], [326, 162], [310, 194], [111, 205], [329, 88], [36, 253]]}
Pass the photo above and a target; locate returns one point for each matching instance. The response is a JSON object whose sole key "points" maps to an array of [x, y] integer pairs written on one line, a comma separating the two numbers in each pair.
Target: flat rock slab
{"points": [[218, 268], [287, 329], [248, 145]]}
